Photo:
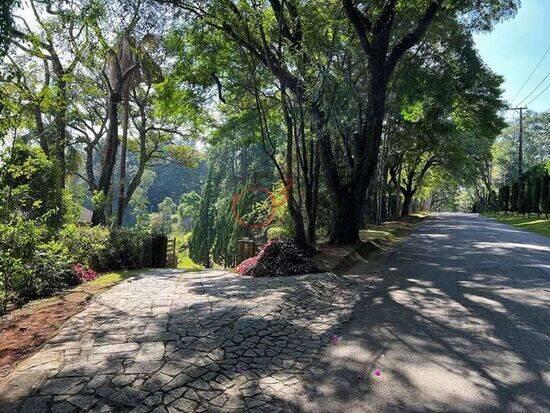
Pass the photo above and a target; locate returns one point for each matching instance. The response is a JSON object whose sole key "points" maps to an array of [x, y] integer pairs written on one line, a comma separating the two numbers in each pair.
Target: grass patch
{"points": [[187, 264], [533, 223], [111, 278], [182, 251]]}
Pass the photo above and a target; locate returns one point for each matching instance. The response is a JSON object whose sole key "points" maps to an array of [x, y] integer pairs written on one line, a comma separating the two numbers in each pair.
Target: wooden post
{"points": [[246, 248]]}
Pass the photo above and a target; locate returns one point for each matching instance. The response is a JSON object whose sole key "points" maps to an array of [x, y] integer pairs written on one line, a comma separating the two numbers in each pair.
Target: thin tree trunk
{"points": [[123, 150]]}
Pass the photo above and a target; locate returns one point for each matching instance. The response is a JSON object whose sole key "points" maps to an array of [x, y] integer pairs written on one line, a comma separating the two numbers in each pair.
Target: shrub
{"points": [[30, 179], [51, 270], [86, 245], [126, 250], [278, 233], [30, 268], [18, 241], [277, 258]]}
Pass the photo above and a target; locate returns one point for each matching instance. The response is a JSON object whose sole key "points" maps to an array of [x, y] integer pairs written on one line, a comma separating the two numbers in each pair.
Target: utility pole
{"points": [[520, 160]]}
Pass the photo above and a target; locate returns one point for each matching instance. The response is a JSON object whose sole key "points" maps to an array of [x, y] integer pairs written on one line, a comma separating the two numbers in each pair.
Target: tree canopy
{"points": [[328, 115]]}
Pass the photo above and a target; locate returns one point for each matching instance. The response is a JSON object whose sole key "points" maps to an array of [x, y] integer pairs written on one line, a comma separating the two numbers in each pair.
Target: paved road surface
{"points": [[460, 322], [456, 320]]}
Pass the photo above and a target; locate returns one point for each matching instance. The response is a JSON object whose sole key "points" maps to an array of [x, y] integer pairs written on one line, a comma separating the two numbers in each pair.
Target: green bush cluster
{"points": [[33, 264], [126, 249], [279, 233], [30, 267], [40, 243], [85, 245]]}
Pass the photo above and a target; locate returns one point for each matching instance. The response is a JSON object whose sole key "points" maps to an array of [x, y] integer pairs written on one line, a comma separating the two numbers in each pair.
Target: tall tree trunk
{"points": [[108, 164], [40, 130], [122, 185], [346, 216], [407, 202], [348, 200]]}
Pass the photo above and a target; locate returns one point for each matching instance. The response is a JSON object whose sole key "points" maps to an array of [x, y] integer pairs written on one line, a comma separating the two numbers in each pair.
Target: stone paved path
{"points": [[183, 342]]}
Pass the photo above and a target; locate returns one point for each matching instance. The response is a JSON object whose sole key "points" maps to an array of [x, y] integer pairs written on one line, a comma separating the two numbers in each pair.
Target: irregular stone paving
{"points": [[185, 342]]}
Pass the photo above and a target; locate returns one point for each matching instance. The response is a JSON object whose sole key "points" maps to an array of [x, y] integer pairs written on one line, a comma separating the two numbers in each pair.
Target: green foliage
{"points": [[52, 270], [30, 266], [188, 211], [18, 242], [202, 238], [529, 194], [278, 233], [127, 249], [85, 245], [6, 22], [139, 203], [163, 221], [536, 146], [28, 184]]}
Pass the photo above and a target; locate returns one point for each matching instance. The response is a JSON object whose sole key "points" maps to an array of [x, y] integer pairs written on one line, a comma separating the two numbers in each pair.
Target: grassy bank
{"points": [[376, 240], [532, 223]]}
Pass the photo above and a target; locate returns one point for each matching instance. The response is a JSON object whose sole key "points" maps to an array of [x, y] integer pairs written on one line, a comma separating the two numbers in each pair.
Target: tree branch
{"points": [[410, 39]]}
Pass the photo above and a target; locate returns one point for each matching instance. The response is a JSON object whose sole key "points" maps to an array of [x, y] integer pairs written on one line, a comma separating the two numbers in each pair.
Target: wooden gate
{"points": [[171, 257]]}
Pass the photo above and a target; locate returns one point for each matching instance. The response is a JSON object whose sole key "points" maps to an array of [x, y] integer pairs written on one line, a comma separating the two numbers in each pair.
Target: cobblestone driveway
{"points": [[183, 342]]}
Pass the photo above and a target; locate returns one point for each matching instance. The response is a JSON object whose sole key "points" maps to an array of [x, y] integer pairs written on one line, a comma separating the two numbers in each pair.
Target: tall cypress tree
{"points": [[202, 238], [514, 198], [537, 188], [504, 197], [545, 193]]}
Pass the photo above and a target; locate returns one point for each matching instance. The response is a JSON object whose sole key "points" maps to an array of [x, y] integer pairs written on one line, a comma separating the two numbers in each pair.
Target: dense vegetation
{"points": [[216, 120]]}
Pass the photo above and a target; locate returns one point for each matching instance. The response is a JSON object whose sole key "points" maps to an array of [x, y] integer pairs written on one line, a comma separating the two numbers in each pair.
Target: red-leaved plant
{"points": [[245, 265], [277, 258], [84, 274]]}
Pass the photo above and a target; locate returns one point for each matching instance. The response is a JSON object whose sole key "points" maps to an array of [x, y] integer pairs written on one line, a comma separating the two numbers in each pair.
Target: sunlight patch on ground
{"points": [[486, 302], [500, 246]]}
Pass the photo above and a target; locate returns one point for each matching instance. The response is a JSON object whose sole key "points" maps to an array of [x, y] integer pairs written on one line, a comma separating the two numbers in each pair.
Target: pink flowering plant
{"points": [[246, 265], [84, 273]]}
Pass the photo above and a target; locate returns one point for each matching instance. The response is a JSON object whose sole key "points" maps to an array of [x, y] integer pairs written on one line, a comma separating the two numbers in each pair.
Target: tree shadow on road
{"points": [[461, 312]]}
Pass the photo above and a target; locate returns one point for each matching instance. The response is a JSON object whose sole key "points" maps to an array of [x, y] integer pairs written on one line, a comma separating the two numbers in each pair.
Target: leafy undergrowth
{"points": [[276, 259], [534, 223], [375, 241], [25, 329]]}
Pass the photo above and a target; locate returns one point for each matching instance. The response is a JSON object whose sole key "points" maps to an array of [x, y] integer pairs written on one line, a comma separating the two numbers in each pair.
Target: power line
{"points": [[535, 89], [532, 73], [540, 94]]}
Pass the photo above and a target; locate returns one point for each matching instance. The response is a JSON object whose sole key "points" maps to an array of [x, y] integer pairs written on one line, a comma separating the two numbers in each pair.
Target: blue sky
{"points": [[515, 46]]}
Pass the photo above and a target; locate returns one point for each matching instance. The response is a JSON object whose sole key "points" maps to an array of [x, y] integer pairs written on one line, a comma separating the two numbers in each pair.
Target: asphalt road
{"points": [[458, 321]]}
